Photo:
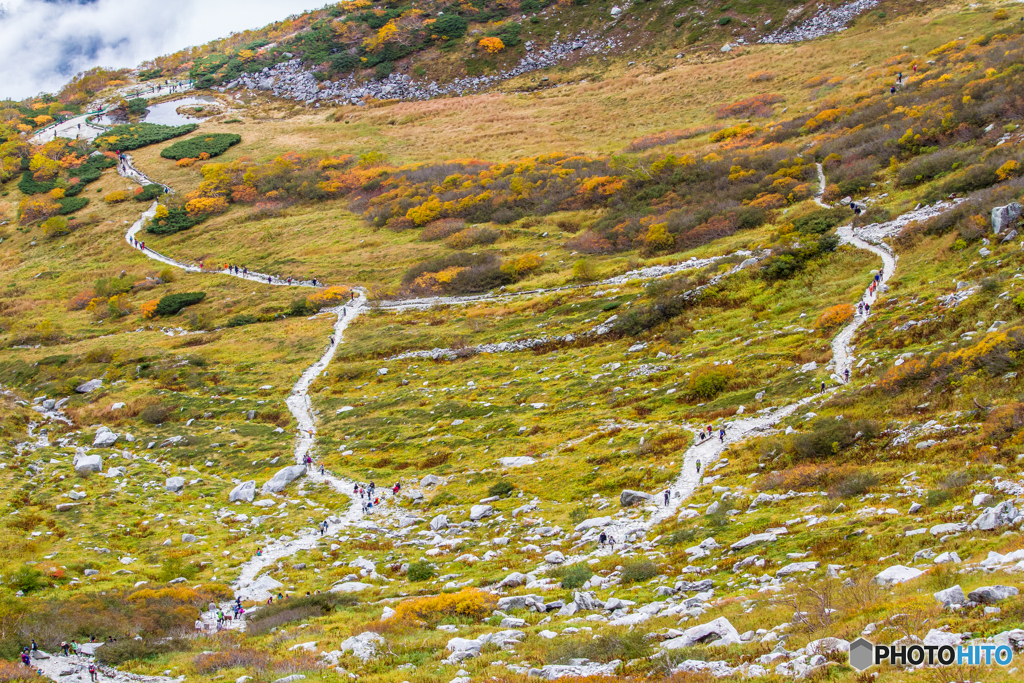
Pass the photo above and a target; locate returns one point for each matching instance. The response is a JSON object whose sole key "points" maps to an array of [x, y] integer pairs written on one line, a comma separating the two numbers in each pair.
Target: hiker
{"points": [[721, 435], [321, 469], [698, 467], [867, 308], [35, 648], [93, 676], [823, 386], [701, 435], [64, 647], [899, 77], [199, 624], [846, 373], [74, 647], [667, 496], [602, 539], [25, 659], [259, 552], [892, 90]]}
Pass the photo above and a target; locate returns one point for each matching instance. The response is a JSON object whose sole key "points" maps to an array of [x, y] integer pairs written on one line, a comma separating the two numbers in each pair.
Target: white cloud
{"points": [[43, 44]]}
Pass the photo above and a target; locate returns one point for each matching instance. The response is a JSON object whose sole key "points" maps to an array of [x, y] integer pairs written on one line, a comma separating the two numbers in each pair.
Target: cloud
{"points": [[43, 43]]}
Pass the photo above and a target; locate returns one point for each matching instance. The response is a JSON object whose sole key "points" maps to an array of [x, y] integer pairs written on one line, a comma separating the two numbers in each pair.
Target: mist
{"points": [[44, 43]]}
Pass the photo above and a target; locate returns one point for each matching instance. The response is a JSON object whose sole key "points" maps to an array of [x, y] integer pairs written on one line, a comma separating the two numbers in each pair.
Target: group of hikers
{"points": [[368, 495], [707, 433], [66, 648]]}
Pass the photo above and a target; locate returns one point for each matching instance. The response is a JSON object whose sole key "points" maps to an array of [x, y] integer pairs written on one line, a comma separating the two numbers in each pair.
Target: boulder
{"points": [[798, 568], [516, 461], [431, 480], [91, 385], [896, 574], [439, 522], [716, 632], [244, 492], [991, 594], [995, 517], [188, 538], [364, 646], [951, 596], [284, 477], [983, 500], [630, 498], [478, 512], [514, 602], [554, 558], [513, 580], [1004, 216], [174, 484], [823, 646], [592, 523], [753, 539], [387, 613], [87, 464], [350, 587], [262, 588], [105, 438], [939, 638]]}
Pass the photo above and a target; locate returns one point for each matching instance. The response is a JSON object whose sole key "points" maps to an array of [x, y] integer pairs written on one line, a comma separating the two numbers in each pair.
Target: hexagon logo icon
{"points": [[862, 654]]}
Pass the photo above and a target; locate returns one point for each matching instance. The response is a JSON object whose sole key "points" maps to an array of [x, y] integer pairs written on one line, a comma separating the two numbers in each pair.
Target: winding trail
{"points": [[707, 452]]}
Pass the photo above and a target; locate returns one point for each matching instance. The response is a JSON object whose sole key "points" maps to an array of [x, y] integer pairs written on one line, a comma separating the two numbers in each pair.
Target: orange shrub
{"points": [[491, 45], [148, 309], [80, 301], [186, 162], [761, 76], [835, 317], [769, 201]]}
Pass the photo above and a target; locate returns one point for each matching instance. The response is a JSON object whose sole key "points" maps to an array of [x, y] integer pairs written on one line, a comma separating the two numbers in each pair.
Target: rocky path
{"points": [[75, 668], [710, 450]]}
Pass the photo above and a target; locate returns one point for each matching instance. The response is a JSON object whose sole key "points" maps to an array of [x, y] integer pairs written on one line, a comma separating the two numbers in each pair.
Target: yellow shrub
{"points": [[491, 45], [203, 205], [522, 264], [117, 196], [425, 212], [148, 309], [835, 317], [769, 201], [1008, 170], [329, 296], [161, 212], [469, 602]]}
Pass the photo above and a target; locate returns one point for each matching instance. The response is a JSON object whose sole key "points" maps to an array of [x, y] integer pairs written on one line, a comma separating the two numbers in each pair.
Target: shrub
{"points": [[820, 221], [501, 488], [709, 381], [491, 45], [172, 303], [468, 603], [117, 196], [241, 319], [156, 414], [667, 138], [135, 135], [758, 105], [584, 270], [72, 204], [829, 437], [470, 237], [573, 576], [328, 296], [449, 27], [169, 220], [638, 570], [761, 76], [130, 649], [27, 579], [420, 571], [213, 144], [148, 193], [439, 230], [854, 485], [607, 647], [305, 607], [834, 317]]}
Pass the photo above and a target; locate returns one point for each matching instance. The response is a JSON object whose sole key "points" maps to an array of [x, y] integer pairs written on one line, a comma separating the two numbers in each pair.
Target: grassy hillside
{"points": [[577, 370]]}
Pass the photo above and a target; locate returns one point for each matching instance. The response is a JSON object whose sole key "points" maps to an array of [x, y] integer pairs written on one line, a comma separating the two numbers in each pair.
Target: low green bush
{"points": [[501, 488], [213, 144], [137, 106], [135, 135], [573, 576], [241, 319], [72, 204], [820, 221], [829, 436], [149, 193], [172, 303], [130, 649], [638, 570], [420, 571], [176, 220]]}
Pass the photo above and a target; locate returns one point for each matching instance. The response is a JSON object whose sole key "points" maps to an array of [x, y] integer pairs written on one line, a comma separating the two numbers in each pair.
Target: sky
{"points": [[44, 43]]}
